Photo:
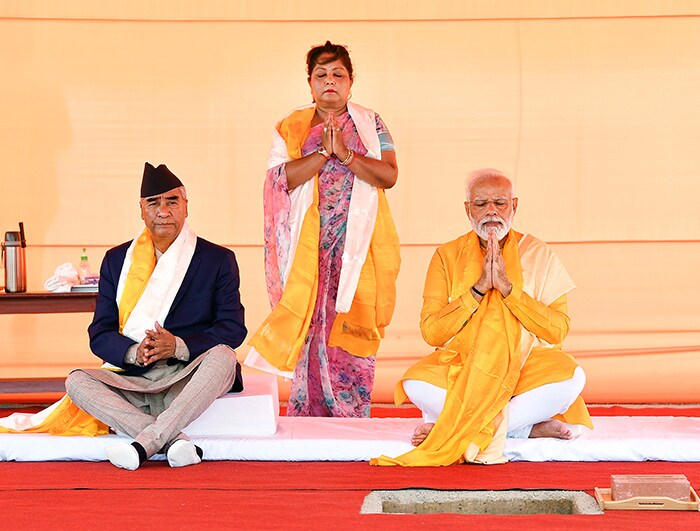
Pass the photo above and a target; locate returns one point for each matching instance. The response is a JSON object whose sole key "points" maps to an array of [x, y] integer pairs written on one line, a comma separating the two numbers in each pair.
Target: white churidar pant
{"points": [[524, 411]]}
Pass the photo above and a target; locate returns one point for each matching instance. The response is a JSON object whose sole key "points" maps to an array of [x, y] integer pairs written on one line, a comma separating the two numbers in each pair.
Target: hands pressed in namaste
{"points": [[493, 273], [332, 137]]}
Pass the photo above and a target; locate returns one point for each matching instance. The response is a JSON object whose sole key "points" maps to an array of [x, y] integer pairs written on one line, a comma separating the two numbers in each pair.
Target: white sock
{"points": [[183, 453], [124, 456]]}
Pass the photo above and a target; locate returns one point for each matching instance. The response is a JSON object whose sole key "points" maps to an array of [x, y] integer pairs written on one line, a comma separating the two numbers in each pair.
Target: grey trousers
{"points": [[156, 419]]}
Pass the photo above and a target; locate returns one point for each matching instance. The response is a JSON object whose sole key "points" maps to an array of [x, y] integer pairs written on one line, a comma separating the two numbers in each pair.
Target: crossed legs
{"points": [[152, 431], [530, 413]]}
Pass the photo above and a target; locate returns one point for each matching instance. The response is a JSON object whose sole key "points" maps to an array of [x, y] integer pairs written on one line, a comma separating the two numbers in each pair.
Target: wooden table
{"points": [[47, 302]]}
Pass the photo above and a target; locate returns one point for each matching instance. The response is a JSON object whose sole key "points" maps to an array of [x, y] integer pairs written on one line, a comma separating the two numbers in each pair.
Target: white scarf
{"points": [[154, 305], [166, 279], [362, 212], [535, 255]]}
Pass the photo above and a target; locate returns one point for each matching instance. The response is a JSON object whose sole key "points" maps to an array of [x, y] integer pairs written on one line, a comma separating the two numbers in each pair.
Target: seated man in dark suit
{"points": [[168, 315]]}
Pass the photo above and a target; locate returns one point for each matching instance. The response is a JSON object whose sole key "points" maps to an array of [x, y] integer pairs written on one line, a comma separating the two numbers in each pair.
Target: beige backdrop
{"points": [[592, 109]]}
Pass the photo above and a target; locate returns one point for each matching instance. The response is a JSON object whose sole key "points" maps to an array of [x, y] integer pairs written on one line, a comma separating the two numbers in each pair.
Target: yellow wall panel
{"points": [[361, 10], [590, 106]]}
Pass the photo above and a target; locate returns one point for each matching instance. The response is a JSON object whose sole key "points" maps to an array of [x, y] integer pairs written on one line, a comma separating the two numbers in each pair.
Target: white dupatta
{"points": [[165, 281], [362, 212], [362, 215]]}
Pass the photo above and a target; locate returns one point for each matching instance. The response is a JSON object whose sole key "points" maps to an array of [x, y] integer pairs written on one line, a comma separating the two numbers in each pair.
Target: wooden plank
{"points": [[46, 302]]}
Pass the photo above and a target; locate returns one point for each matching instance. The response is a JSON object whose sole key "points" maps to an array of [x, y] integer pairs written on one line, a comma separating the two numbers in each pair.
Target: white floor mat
{"points": [[313, 439]]}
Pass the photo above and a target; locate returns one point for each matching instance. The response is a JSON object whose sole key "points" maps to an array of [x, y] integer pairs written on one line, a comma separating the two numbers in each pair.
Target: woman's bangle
{"points": [[322, 151], [478, 292], [348, 159]]}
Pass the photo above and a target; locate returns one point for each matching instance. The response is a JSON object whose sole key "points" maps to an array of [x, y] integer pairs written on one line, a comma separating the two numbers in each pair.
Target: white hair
{"points": [[481, 175]]}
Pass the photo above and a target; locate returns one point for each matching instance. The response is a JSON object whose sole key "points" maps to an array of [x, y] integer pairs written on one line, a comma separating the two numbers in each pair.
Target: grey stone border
{"points": [[431, 501]]}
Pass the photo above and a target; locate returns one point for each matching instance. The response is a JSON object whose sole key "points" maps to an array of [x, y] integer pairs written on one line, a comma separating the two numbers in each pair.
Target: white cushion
{"points": [[253, 412]]}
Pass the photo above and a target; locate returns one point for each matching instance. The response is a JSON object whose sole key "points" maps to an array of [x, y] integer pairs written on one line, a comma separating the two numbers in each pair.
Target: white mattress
{"points": [[314, 439]]}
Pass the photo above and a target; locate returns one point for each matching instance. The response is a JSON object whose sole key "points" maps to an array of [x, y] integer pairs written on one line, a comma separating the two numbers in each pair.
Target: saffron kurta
{"points": [[489, 351], [442, 317]]}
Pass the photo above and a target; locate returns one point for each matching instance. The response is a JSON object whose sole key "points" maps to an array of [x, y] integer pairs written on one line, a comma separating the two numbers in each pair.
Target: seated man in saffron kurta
{"points": [[495, 307]]}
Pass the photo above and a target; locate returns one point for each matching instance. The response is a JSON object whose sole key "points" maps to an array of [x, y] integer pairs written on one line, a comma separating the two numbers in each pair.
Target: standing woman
{"points": [[331, 248]]}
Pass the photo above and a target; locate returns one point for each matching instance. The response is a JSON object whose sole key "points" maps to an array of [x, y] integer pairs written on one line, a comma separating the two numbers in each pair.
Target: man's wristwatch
{"points": [[323, 152]]}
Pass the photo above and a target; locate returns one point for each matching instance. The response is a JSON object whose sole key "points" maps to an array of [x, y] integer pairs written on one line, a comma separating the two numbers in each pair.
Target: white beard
{"points": [[501, 230]]}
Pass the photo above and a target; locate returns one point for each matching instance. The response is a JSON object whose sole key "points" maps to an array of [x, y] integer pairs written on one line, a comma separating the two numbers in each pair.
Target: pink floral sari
{"points": [[328, 381]]}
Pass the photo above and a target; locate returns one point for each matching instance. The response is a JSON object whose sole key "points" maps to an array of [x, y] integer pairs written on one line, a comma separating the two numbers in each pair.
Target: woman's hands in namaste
{"points": [[332, 137]]}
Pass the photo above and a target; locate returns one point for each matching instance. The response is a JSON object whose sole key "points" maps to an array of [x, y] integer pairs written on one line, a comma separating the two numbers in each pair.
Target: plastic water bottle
{"points": [[84, 268]]}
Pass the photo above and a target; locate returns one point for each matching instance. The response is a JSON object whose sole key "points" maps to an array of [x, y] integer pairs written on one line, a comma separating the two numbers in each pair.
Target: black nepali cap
{"points": [[158, 180]]}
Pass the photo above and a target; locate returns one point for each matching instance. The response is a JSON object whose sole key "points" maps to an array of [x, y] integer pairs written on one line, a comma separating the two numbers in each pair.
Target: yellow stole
{"points": [[68, 419], [143, 263], [281, 336], [484, 359]]}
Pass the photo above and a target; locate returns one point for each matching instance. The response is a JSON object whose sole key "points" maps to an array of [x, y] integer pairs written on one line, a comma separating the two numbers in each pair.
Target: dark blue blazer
{"points": [[206, 312]]}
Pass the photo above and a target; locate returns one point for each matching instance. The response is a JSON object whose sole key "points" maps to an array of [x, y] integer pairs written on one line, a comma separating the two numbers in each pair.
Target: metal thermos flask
{"points": [[14, 261]]}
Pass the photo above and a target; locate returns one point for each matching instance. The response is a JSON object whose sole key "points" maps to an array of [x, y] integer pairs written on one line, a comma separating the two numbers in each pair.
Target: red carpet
{"points": [[227, 495], [326, 476], [242, 509]]}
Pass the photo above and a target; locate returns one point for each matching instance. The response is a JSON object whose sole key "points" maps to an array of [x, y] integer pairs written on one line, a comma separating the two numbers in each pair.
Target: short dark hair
{"points": [[338, 52]]}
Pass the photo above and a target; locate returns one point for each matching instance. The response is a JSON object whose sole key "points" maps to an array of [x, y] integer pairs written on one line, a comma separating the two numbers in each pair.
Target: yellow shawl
{"points": [[484, 359], [67, 418], [281, 336]]}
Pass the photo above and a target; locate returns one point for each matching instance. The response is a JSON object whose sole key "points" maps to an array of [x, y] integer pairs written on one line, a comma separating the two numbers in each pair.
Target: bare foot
{"points": [[551, 428], [421, 433]]}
